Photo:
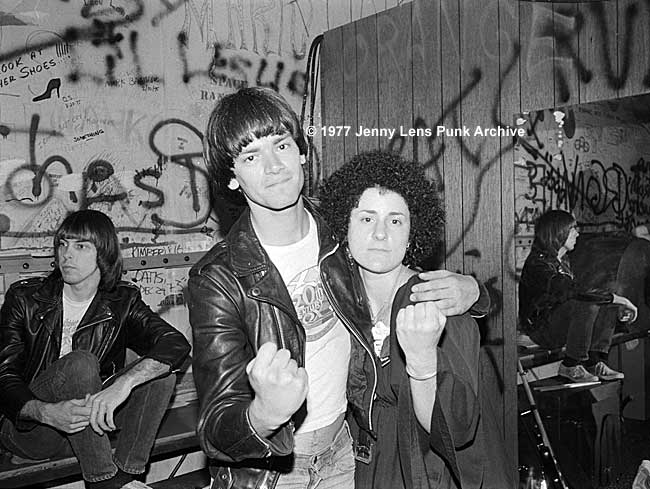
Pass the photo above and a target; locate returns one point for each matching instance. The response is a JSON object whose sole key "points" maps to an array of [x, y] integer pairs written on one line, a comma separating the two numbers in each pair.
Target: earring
{"points": [[233, 184]]}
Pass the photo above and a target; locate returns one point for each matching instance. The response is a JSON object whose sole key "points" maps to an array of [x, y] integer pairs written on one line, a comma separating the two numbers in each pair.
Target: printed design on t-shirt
{"points": [[312, 305], [69, 328]]}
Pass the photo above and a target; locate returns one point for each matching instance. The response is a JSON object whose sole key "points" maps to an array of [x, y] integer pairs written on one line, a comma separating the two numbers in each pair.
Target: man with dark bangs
{"points": [[281, 328], [63, 339]]}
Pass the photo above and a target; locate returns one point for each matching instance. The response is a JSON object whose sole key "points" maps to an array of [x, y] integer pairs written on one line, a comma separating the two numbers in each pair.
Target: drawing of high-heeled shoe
{"points": [[53, 84]]}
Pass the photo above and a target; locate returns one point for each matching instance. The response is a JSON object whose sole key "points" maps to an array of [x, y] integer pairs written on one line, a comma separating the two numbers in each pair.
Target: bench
{"points": [[532, 355], [176, 436]]}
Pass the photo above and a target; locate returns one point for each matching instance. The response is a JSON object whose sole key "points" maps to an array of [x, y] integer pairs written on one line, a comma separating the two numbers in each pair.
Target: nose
{"points": [[273, 163], [66, 252], [379, 232]]}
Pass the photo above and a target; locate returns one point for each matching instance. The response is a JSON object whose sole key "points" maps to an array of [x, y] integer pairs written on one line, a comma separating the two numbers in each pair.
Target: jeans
{"points": [[137, 420], [578, 325], [327, 463]]}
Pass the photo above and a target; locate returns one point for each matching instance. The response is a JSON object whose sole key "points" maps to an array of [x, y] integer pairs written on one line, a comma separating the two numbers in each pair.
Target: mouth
{"points": [[278, 182]]}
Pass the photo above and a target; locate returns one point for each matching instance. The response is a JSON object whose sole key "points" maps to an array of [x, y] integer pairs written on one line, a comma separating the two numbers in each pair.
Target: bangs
{"points": [[78, 229], [255, 119]]}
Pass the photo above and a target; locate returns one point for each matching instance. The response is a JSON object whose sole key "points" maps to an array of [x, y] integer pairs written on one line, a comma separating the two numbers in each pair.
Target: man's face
{"points": [[570, 242], [269, 172], [78, 262]]}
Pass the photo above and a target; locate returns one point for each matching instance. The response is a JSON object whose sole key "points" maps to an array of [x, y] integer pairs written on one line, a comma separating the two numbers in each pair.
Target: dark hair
{"points": [[552, 230], [238, 118], [97, 228], [341, 192]]}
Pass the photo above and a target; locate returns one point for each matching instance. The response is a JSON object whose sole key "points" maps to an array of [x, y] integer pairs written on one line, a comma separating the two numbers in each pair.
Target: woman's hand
{"points": [[627, 305], [419, 328]]}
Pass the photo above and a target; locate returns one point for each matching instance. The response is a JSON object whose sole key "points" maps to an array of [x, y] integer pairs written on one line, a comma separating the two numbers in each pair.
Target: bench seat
{"points": [[176, 436]]}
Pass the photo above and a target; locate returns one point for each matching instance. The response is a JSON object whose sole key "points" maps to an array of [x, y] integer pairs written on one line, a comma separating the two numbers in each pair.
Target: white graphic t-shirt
{"points": [[327, 351], [72, 313]]}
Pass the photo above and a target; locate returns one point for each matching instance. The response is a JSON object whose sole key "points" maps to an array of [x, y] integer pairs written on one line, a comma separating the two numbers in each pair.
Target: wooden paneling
{"points": [[452, 159], [481, 183], [395, 77], [637, 79], [509, 99], [332, 98], [537, 48], [598, 52], [349, 92], [565, 47], [427, 85], [367, 95]]}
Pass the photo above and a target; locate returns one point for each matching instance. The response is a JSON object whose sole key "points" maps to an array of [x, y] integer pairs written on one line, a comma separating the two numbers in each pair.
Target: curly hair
{"points": [[341, 192]]}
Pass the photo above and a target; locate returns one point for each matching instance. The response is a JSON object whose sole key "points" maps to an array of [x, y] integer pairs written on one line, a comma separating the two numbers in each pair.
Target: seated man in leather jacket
{"points": [[62, 337], [280, 322]]}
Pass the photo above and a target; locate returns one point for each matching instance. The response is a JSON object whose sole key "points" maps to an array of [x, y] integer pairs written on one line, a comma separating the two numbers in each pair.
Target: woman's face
{"points": [[570, 242], [379, 228]]}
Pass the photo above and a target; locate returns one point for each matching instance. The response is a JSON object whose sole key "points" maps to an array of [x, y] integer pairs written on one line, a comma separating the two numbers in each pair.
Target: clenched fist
{"points": [[280, 387], [418, 329]]}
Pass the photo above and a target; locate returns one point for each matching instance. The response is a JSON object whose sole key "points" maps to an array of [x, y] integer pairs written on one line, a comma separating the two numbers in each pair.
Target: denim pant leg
{"points": [[604, 326], [138, 421], [581, 330], [71, 377], [572, 324]]}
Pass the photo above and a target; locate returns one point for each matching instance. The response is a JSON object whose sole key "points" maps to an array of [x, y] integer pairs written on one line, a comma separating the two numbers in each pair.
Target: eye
{"points": [[395, 221], [366, 219]]}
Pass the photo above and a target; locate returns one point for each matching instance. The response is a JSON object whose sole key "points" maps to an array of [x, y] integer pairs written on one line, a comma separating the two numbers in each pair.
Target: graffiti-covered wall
{"points": [[592, 160], [103, 104]]}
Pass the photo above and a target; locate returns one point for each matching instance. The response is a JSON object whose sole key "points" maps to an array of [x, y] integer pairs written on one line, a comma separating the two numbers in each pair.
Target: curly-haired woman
{"points": [[427, 430]]}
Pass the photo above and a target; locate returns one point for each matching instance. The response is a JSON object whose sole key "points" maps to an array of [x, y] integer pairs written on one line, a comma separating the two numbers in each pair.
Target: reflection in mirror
{"points": [[593, 161]]}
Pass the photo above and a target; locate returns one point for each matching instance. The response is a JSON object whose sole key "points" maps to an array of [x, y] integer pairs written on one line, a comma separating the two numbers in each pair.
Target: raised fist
{"points": [[280, 387], [418, 329]]}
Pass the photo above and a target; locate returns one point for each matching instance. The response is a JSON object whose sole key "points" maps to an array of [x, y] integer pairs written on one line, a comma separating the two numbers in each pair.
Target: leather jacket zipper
{"points": [[347, 324], [47, 342], [105, 339], [93, 323]]}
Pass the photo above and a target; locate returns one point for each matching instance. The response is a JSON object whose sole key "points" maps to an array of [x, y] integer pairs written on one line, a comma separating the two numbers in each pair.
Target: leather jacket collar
{"points": [[248, 257]]}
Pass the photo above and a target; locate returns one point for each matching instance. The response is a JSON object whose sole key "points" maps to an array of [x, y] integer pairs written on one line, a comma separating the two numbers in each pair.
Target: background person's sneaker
{"points": [[642, 479], [603, 372], [577, 373]]}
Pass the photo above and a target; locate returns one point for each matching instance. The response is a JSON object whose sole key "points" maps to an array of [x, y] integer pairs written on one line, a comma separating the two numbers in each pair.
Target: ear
{"points": [[233, 184], [302, 159]]}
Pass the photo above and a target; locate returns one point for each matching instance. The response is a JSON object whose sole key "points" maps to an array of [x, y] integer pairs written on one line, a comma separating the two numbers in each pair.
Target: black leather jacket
{"points": [[30, 334], [238, 301], [546, 283]]}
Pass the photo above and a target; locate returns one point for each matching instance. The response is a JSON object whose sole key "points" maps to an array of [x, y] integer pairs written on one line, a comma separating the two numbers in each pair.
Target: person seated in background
{"points": [[549, 292], [429, 429], [62, 337]]}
